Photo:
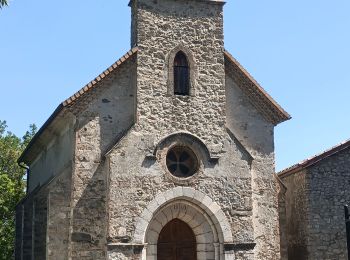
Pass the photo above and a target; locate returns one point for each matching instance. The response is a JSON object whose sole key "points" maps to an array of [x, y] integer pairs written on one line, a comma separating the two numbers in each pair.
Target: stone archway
{"points": [[197, 210]]}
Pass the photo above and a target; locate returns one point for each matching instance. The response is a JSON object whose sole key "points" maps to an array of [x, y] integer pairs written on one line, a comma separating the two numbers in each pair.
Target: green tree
{"points": [[12, 185], [3, 3]]}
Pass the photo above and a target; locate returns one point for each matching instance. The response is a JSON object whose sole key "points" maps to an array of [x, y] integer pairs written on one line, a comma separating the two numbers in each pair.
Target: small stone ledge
{"points": [[239, 246], [214, 159], [135, 247], [217, 2], [151, 157], [242, 213], [81, 237]]}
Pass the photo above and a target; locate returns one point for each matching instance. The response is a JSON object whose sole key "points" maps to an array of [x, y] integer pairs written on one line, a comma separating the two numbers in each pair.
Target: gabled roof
{"points": [[75, 97], [259, 98], [315, 159], [256, 94]]}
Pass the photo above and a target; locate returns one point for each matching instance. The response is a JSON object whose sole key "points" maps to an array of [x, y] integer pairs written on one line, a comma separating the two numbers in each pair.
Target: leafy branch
{"points": [[3, 3], [12, 184]]}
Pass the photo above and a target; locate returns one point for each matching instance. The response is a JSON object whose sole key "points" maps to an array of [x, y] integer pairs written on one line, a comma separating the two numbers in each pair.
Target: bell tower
{"points": [[183, 11], [164, 30]]}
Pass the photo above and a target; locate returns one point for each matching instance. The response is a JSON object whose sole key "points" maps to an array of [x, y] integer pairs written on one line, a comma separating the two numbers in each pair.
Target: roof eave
{"points": [[58, 110], [73, 99], [314, 160], [280, 115]]}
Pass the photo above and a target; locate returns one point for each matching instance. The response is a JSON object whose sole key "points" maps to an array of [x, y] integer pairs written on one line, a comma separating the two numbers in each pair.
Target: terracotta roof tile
{"points": [[75, 97], [315, 159], [69, 101]]}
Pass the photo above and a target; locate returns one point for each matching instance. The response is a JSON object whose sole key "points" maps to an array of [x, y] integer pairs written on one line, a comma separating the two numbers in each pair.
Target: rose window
{"points": [[181, 162]]}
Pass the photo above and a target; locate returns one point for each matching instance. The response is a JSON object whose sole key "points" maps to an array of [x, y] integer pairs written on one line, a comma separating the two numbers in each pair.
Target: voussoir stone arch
{"points": [[197, 201], [185, 138], [170, 70]]}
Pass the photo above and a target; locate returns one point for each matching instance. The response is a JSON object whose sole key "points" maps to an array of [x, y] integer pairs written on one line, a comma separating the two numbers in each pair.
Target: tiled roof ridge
{"points": [[75, 97], [315, 159], [270, 108]]}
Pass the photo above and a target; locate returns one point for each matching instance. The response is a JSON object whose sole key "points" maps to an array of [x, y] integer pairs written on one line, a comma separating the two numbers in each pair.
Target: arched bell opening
{"points": [[181, 75], [182, 72]]}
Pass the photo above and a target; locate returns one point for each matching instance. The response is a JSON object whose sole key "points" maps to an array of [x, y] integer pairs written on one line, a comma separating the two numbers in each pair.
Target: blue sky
{"points": [[298, 50]]}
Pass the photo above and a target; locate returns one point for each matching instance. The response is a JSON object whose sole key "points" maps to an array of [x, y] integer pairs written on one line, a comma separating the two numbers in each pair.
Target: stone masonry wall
{"points": [[315, 209], [19, 231], [54, 158], [94, 205], [43, 221], [257, 136], [40, 225], [59, 215], [31, 226], [282, 219], [100, 121], [163, 26], [135, 178], [297, 211], [27, 244], [329, 184]]}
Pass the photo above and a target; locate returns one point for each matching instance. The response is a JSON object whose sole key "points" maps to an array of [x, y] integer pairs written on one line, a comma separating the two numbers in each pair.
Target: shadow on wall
{"points": [[297, 252], [90, 217]]}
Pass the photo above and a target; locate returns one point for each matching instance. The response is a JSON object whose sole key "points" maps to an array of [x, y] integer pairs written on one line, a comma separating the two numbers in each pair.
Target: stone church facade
{"points": [[168, 154]]}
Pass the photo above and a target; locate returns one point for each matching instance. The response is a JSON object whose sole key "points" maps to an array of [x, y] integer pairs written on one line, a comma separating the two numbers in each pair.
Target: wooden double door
{"points": [[176, 242]]}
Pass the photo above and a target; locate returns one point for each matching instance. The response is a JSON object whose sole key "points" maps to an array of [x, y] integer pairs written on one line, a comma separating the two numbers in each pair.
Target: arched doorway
{"points": [[204, 217], [176, 242]]}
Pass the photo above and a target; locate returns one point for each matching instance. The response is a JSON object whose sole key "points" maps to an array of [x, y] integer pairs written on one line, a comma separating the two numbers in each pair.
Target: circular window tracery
{"points": [[181, 162]]}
